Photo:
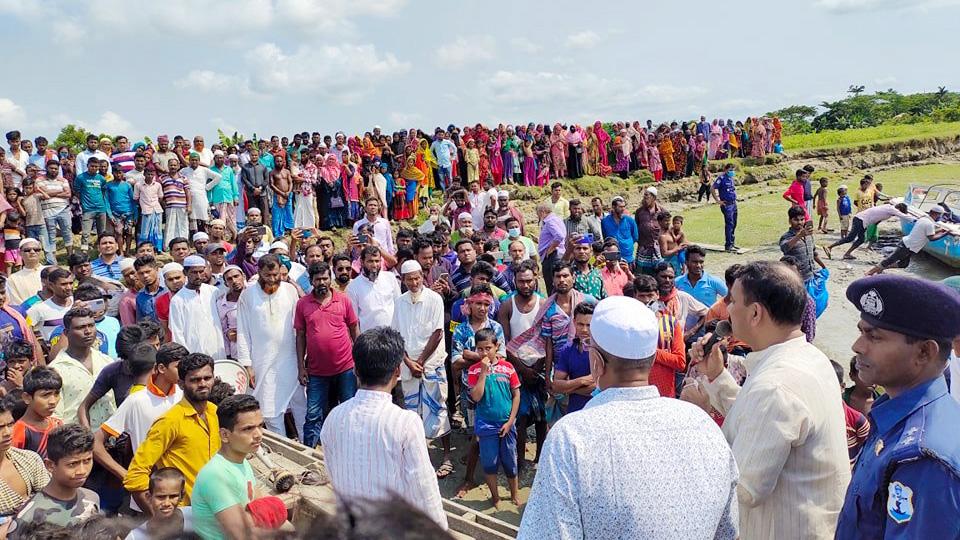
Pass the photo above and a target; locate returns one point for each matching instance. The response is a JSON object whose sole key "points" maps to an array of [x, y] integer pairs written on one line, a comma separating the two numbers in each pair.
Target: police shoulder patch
{"points": [[899, 502]]}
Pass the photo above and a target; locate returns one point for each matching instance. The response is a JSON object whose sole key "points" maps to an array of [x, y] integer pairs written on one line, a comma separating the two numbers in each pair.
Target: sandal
{"points": [[463, 490], [445, 469]]}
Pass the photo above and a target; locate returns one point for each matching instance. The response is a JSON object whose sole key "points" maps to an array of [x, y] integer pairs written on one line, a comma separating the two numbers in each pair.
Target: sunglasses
{"points": [[30, 250]]}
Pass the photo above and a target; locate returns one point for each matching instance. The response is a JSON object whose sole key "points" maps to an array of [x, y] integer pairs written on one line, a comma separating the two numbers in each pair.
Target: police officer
{"points": [[725, 194], [906, 483]]}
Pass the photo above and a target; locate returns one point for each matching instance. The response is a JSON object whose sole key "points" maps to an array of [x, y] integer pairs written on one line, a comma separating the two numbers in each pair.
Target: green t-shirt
{"points": [[220, 485]]}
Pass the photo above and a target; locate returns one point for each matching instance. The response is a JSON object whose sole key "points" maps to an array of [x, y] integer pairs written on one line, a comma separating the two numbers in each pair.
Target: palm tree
{"points": [[856, 90], [941, 93]]}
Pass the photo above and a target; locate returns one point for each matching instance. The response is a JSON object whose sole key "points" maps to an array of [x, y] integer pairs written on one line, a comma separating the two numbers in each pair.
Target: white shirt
{"points": [[266, 340], [416, 322], [141, 533], [18, 161], [918, 237], [198, 181], [23, 284], [374, 300], [44, 317], [376, 450], [381, 232], [77, 382], [953, 365], [84, 157], [195, 322], [478, 205], [788, 433], [662, 469]]}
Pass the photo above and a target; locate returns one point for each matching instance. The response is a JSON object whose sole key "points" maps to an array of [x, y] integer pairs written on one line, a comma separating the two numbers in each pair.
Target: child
{"points": [[41, 393], [822, 207], [149, 193], [669, 249], [176, 201], [681, 239], [495, 387], [13, 401], [119, 195], [18, 356], [11, 231], [844, 210], [35, 225], [165, 493], [572, 369], [63, 502], [857, 426]]}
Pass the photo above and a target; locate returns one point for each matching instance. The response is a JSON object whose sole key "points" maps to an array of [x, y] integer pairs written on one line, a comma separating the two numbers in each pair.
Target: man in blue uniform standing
{"points": [[906, 483], [725, 194]]}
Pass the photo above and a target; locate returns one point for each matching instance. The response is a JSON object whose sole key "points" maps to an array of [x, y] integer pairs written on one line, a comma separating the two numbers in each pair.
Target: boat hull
{"points": [[946, 249]]}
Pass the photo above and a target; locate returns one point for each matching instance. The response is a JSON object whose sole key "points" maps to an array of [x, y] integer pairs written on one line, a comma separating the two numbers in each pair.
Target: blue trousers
{"points": [[729, 224], [320, 390]]}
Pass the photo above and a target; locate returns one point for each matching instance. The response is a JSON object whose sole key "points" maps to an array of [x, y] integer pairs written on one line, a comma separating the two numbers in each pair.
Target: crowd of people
{"points": [[645, 378]]}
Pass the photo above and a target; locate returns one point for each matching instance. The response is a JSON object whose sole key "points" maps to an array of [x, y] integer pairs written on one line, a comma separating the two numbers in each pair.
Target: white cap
{"points": [[217, 153], [652, 190], [126, 264], [26, 241], [936, 209], [464, 215], [410, 266], [321, 145], [624, 327], [842, 186], [378, 127], [503, 194], [170, 267], [200, 235], [194, 260], [279, 245]]}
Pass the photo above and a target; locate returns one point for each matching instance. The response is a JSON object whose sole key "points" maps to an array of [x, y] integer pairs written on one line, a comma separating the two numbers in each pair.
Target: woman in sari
{"points": [[305, 206], [603, 143], [716, 138], [472, 157], [426, 163], [412, 177], [624, 149], [496, 159], [699, 154], [541, 152], [591, 160], [332, 192], [574, 152], [666, 150], [679, 152], [757, 135], [558, 152], [529, 164], [511, 157]]}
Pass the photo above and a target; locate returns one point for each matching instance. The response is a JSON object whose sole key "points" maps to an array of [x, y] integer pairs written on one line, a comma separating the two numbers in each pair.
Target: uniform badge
{"points": [[899, 502], [871, 303]]}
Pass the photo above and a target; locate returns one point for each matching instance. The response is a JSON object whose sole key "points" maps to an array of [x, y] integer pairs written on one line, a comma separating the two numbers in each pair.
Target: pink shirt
{"points": [[795, 194], [327, 328], [149, 196], [613, 282]]}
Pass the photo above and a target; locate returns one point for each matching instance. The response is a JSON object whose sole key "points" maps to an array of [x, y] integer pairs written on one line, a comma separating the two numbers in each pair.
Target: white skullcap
{"points": [[126, 264], [377, 127], [26, 241], [843, 186], [321, 145], [170, 267], [253, 210], [410, 266], [652, 190], [217, 153], [233, 156], [279, 245], [200, 235], [194, 260], [624, 327], [464, 215], [503, 194], [217, 221]]}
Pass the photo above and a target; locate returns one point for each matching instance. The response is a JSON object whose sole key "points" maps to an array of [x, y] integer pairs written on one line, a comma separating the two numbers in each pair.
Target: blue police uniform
{"points": [[728, 194], [906, 483]]}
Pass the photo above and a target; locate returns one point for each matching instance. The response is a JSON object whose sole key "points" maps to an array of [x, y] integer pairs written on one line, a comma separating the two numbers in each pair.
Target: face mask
{"points": [[514, 233], [731, 174]]}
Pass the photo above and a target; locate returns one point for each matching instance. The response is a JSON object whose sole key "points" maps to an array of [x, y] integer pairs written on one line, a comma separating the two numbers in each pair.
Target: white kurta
{"points": [[195, 322], [198, 181], [266, 340]]}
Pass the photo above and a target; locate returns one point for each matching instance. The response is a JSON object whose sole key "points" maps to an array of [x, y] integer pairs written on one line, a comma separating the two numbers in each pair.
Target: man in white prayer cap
{"points": [[418, 316], [194, 320], [631, 464]]}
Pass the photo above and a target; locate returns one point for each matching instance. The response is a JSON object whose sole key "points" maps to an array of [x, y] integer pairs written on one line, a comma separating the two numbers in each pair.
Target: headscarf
{"points": [[411, 172], [330, 171]]}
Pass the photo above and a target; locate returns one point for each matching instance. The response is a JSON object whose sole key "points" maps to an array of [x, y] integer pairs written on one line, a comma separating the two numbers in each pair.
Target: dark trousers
{"points": [[320, 392], [262, 202], [548, 263], [729, 224], [704, 191], [857, 234]]}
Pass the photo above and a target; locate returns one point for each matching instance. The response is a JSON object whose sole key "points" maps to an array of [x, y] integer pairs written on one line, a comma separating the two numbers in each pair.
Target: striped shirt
{"points": [[375, 450], [174, 192], [124, 160]]}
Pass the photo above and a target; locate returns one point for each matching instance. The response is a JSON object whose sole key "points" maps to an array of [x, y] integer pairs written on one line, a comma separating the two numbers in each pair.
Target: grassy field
{"points": [[763, 219], [857, 137]]}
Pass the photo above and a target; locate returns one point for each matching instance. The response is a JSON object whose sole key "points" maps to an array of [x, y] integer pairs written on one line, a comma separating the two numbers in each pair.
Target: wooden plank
{"points": [[721, 249]]}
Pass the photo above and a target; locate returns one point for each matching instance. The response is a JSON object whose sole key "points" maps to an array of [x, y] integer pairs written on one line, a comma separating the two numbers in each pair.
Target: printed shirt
{"points": [[89, 188], [34, 474], [497, 401], [659, 438], [589, 282], [42, 508]]}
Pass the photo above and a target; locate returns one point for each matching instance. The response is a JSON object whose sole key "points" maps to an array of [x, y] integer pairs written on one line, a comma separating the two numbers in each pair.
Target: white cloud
{"points": [[112, 123], [211, 81], [887, 81], [857, 6], [401, 120], [11, 114], [524, 45], [466, 50], [313, 17], [586, 39], [68, 32]]}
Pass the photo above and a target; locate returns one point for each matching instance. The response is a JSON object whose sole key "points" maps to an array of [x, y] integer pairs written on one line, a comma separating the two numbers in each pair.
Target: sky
{"points": [[269, 67]]}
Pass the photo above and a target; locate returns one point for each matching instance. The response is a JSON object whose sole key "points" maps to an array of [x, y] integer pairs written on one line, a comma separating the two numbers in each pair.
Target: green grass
{"points": [[761, 220], [858, 137]]}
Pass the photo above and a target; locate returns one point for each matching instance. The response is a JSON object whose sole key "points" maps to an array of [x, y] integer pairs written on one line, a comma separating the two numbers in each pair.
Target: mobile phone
{"points": [[586, 239], [306, 233], [96, 305], [363, 238], [444, 276], [611, 256]]}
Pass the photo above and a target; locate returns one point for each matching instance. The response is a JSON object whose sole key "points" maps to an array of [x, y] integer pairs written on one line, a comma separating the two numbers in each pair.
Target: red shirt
{"points": [[329, 347], [671, 356], [27, 437], [162, 307]]}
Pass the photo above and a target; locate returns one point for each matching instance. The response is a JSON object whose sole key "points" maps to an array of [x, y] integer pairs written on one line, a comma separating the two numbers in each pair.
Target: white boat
{"points": [[919, 199]]}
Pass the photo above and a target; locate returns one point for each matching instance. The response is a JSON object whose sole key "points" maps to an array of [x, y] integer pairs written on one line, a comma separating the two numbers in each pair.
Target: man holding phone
{"points": [[615, 272], [798, 243]]}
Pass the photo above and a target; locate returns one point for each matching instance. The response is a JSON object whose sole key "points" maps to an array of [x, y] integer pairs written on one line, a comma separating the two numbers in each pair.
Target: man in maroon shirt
{"points": [[326, 326]]}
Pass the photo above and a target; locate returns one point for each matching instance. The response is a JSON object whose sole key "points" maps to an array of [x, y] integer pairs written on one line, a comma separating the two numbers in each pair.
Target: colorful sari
{"points": [[558, 153], [603, 143], [413, 177], [679, 152], [666, 155], [496, 160], [592, 154]]}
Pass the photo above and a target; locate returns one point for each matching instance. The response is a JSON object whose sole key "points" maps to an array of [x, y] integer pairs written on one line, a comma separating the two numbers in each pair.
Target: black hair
{"points": [[730, 274], [583, 308], [945, 346], [483, 267], [341, 257], [574, 202], [18, 349], [193, 362], [377, 354], [563, 265], [462, 241], [15, 135], [527, 265], [127, 338], [663, 214], [369, 251], [645, 284], [696, 250], [58, 273], [404, 232], [14, 403], [177, 240], [145, 260], [485, 335], [87, 292], [142, 360], [268, 261], [220, 391], [660, 267], [800, 172], [106, 234], [318, 268], [75, 313], [151, 329], [233, 406], [838, 369], [145, 242], [77, 258], [166, 473], [511, 218], [556, 185], [171, 352], [790, 260], [777, 288], [41, 378], [796, 211], [366, 519], [68, 440]]}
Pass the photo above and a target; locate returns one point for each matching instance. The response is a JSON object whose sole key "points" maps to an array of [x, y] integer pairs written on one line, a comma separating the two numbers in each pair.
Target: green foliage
{"points": [[230, 140], [796, 118], [73, 137], [889, 132]]}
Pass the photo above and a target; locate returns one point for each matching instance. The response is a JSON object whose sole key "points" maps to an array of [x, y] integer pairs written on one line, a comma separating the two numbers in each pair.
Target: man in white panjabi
{"points": [[267, 346], [418, 316], [786, 424], [194, 320]]}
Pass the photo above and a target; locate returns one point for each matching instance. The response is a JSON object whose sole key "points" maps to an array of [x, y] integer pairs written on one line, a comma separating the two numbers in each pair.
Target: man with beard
{"points": [[517, 315], [127, 308], [581, 223], [25, 282], [342, 272], [216, 263], [490, 231], [648, 229], [174, 279], [327, 249], [906, 481], [419, 317], [671, 354], [266, 345], [194, 322], [225, 195], [186, 437], [326, 326], [163, 155], [686, 309], [256, 179], [234, 281], [552, 242], [586, 278], [373, 292]]}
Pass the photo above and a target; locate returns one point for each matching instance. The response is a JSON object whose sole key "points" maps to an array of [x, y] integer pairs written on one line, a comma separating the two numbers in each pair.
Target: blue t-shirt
{"points": [[845, 206], [575, 363], [707, 289], [494, 407], [89, 187], [120, 196]]}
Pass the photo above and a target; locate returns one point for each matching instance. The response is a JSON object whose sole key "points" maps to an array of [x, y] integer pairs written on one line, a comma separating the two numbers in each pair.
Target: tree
{"points": [[856, 90], [941, 94], [795, 118], [73, 137]]}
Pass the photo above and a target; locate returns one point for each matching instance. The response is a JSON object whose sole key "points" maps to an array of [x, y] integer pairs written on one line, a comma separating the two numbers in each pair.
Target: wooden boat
{"points": [[919, 199], [307, 502]]}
